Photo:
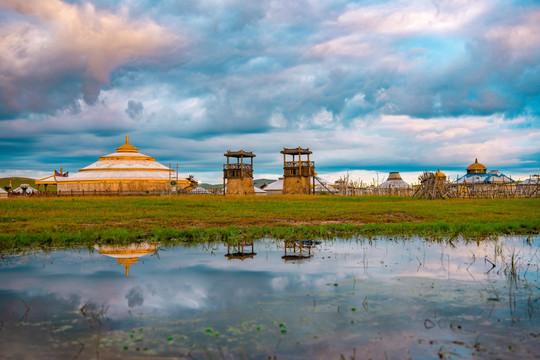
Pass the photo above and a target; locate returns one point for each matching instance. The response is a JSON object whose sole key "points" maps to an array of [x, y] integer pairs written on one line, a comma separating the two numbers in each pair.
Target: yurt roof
{"points": [[395, 181], [29, 189], [491, 178], [276, 185], [321, 188], [199, 190], [49, 180], [476, 166], [259, 191], [2, 191]]}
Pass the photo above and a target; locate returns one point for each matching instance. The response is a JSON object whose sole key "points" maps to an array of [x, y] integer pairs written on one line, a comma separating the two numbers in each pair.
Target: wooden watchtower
{"points": [[298, 174], [238, 177]]}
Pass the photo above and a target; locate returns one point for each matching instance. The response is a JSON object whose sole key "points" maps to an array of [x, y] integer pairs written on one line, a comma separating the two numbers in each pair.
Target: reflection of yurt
{"points": [[25, 189], [3, 194], [126, 170], [275, 188], [127, 255], [394, 181]]}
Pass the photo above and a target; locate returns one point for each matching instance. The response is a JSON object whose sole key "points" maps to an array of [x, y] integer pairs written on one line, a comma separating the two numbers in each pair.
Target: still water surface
{"points": [[355, 299]]}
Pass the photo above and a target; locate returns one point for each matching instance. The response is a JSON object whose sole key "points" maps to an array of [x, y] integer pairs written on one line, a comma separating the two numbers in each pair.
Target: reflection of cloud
{"points": [[135, 296], [207, 283]]}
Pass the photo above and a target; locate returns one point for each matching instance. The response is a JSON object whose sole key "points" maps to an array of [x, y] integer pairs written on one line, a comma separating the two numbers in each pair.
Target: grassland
{"points": [[51, 222]]}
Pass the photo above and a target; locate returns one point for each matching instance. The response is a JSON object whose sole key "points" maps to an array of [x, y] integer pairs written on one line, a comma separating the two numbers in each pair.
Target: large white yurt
{"points": [[124, 171]]}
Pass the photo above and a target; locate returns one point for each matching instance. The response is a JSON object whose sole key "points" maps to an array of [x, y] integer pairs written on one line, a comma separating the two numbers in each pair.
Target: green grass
{"points": [[48, 222]]}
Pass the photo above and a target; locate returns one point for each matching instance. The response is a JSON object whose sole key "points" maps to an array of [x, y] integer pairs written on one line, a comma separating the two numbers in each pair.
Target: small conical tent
{"points": [[394, 181]]}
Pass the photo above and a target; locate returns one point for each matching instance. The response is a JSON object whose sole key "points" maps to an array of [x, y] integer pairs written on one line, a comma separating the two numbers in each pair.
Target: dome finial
{"points": [[127, 147]]}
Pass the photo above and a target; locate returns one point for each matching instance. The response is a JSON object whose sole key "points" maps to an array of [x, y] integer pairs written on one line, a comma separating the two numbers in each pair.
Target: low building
{"points": [[478, 174], [275, 188], [126, 171], [259, 191]]}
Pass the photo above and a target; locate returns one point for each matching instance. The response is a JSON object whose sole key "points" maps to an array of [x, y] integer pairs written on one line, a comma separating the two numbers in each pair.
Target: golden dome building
{"points": [[476, 168], [124, 172], [477, 174]]}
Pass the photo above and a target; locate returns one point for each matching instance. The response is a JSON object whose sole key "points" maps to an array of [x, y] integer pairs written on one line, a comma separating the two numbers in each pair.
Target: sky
{"points": [[369, 86]]}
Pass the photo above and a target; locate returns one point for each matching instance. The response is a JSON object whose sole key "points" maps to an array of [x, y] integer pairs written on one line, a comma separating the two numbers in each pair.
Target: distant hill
{"points": [[210, 186], [17, 181], [260, 182], [256, 182]]}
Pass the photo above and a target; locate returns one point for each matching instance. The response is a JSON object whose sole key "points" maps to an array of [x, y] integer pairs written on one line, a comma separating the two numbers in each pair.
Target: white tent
{"points": [[199, 190], [493, 177], [394, 181], [3, 194], [259, 191], [25, 189], [275, 188], [323, 186]]}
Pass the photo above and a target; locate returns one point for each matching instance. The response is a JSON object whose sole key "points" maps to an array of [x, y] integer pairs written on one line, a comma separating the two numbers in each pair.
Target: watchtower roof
{"points": [[239, 154], [296, 151]]}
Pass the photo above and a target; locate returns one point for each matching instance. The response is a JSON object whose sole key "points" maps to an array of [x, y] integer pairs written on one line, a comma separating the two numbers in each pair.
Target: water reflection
{"points": [[371, 298], [298, 250], [240, 251], [127, 255]]}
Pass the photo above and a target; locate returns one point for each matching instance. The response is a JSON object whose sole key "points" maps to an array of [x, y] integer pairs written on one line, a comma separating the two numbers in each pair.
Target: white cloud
{"points": [[405, 17], [83, 35]]}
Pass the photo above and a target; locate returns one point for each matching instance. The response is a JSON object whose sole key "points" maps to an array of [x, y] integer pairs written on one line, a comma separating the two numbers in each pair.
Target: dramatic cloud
{"points": [[53, 51], [379, 86]]}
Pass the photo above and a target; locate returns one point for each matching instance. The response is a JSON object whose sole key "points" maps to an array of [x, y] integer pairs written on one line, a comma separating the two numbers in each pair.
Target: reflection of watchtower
{"points": [[296, 251], [239, 251], [238, 178], [297, 173]]}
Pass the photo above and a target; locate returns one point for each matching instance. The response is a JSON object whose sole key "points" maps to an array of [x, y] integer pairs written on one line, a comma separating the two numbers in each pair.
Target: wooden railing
{"points": [[237, 166], [296, 164]]}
